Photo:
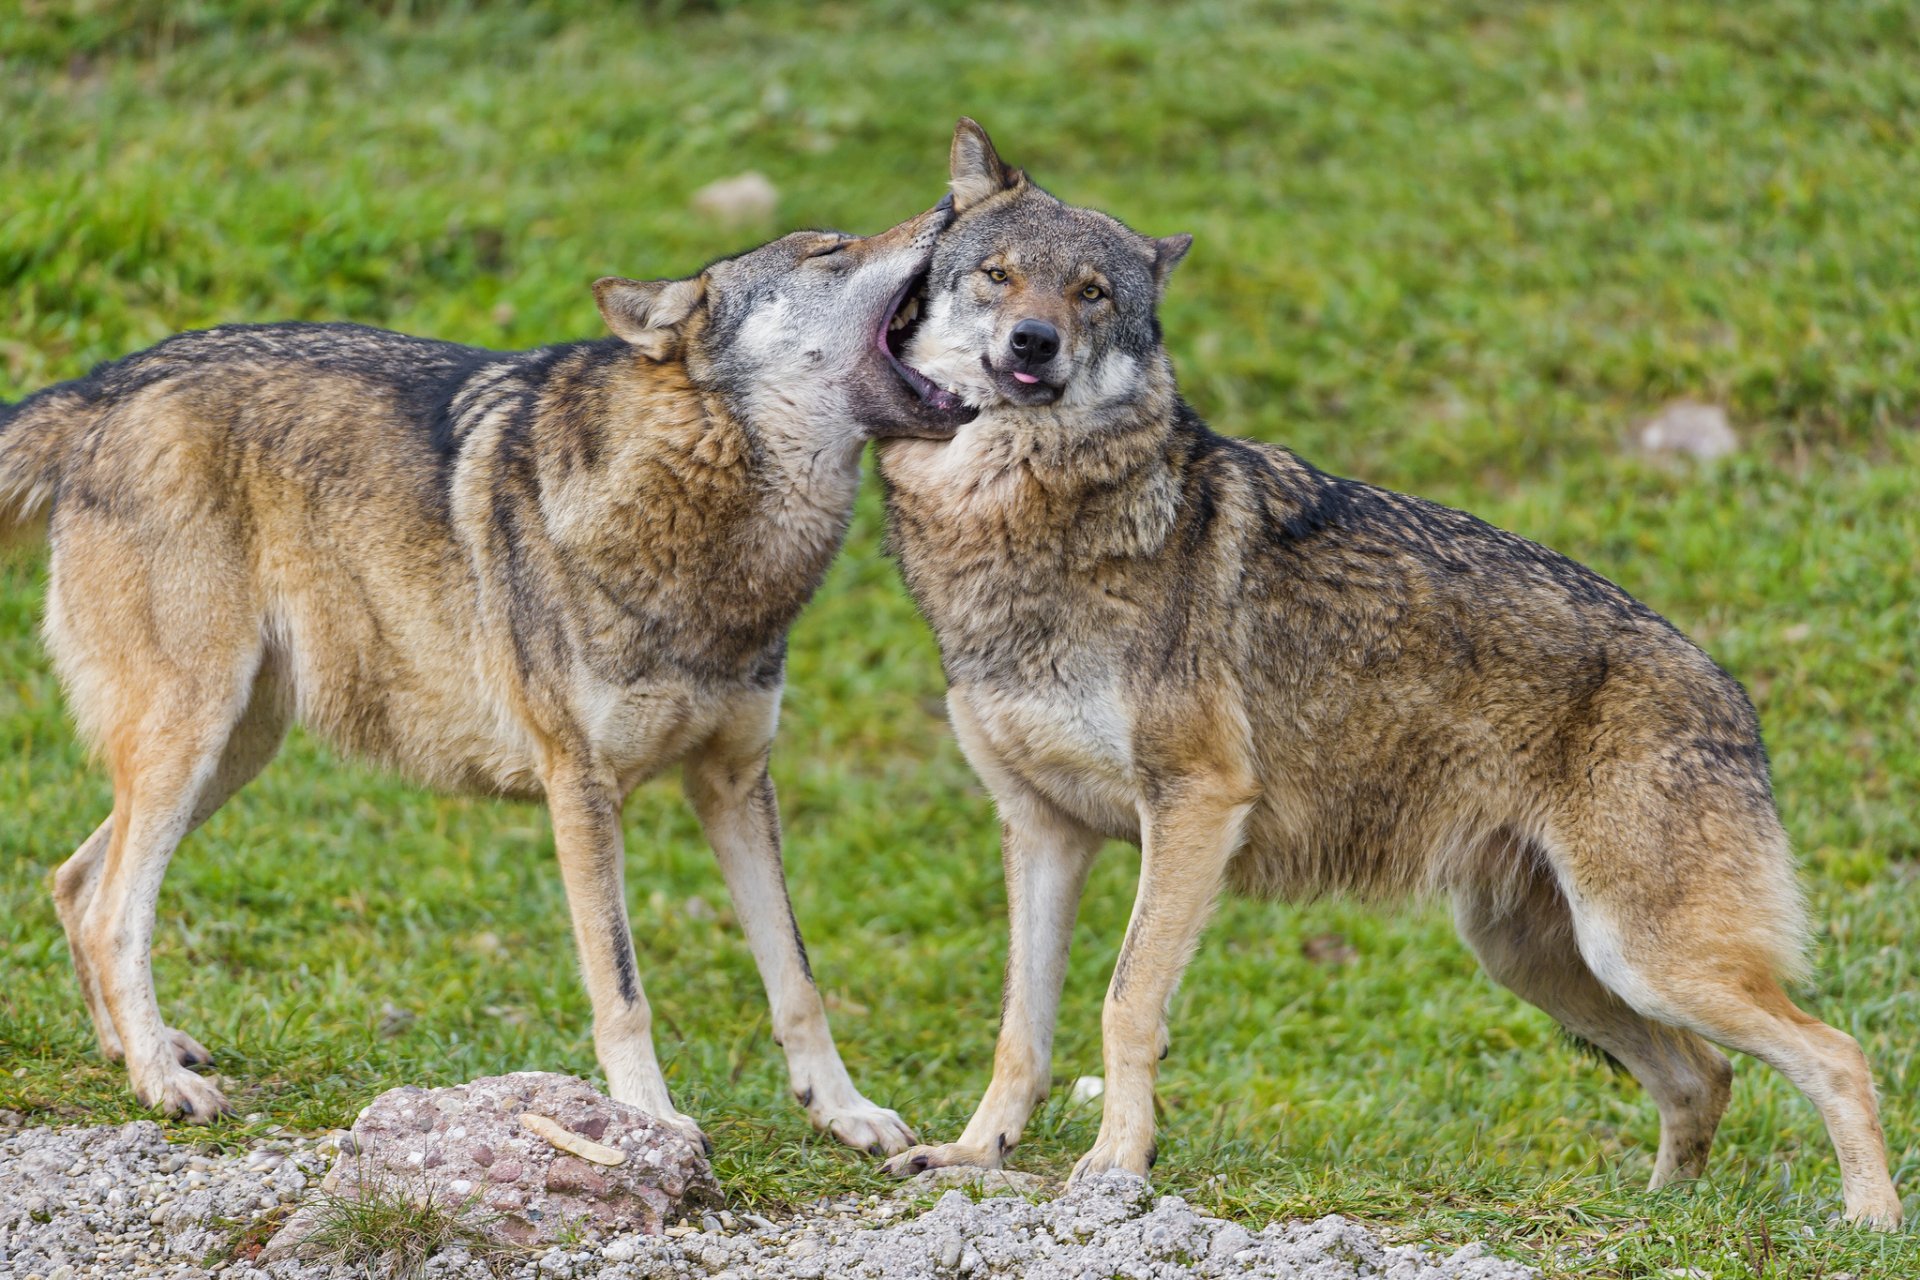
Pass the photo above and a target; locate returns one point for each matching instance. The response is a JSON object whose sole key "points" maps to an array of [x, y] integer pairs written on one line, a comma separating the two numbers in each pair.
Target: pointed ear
{"points": [[976, 168], [1167, 252], [647, 314]]}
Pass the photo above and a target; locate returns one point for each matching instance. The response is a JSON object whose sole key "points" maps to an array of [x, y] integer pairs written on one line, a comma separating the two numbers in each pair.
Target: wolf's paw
{"points": [[1881, 1212], [187, 1051], [183, 1096], [688, 1129], [949, 1155], [1111, 1157], [862, 1125]]}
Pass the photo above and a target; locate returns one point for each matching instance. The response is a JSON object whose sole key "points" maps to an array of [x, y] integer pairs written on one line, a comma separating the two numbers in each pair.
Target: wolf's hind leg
{"points": [[164, 766], [1707, 954], [252, 744], [73, 886], [735, 800], [1526, 943]]}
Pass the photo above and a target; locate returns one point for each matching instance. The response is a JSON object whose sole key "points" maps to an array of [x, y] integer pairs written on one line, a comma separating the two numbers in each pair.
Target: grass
{"points": [[388, 1230], [1458, 249]]}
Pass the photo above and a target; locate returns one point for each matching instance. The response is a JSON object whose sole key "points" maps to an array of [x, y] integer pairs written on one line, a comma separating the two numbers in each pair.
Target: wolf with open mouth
{"points": [[549, 574], [1292, 684]]}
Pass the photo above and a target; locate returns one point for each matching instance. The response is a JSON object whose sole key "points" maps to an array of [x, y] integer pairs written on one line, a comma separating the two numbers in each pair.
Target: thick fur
{"points": [[548, 574], [1291, 684]]}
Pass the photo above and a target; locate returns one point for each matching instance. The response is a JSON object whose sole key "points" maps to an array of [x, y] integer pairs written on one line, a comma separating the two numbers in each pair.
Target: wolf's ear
{"points": [[647, 314], [1167, 252], [976, 168]]}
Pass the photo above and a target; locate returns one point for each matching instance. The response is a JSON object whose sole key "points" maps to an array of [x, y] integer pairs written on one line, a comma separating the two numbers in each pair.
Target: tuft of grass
{"points": [[1458, 249], [387, 1230]]}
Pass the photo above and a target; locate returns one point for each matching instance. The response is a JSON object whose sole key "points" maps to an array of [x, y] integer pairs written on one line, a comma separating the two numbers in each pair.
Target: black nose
{"points": [[1035, 341]]}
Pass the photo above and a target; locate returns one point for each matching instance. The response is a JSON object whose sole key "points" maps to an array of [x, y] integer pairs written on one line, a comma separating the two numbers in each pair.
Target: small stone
{"points": [[394, 1019], [746, 199], [1228, 1241], [1686, 426]]}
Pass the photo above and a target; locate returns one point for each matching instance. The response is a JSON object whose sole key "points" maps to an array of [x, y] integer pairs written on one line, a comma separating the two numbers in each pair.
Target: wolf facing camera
{"points": [[1291, 684]]}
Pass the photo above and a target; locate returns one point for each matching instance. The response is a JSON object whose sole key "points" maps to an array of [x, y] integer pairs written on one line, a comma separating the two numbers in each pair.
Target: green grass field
{"points": [[1459, 249]]}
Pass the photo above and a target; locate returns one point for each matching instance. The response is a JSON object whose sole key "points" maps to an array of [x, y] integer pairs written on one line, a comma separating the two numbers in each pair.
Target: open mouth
{"points": [[904, 315]]}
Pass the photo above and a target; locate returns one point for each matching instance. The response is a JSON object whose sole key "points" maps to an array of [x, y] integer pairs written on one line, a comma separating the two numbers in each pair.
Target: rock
{"points": [[506, 1150], [1086, 1089], [744, 200], [1686, 426]]}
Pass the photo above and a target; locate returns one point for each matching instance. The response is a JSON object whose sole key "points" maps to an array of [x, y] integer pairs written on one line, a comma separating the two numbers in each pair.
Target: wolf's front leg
{"points": [[1046, 857], [730, 790], [1193, 830], [585, 805]]}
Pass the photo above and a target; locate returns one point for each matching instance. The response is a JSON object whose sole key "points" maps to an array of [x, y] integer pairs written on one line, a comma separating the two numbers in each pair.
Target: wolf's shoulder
{"points": [[1296, 512]]}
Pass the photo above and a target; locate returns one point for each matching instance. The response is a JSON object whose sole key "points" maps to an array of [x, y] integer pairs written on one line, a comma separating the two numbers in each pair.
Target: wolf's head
{"points": [[1032, 302], [796, 333]]}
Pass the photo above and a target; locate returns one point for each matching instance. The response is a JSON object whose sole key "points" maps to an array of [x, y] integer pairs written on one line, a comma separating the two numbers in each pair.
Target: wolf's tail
{"points": [[33, 443]]}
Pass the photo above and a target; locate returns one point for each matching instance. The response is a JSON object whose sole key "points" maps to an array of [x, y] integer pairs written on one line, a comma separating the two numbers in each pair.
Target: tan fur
{"points": [[1292, 685], [548, 574]]}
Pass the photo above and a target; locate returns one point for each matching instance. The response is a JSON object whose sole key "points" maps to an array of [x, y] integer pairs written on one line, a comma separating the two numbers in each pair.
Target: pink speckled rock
{"points": [[466, 1148]]}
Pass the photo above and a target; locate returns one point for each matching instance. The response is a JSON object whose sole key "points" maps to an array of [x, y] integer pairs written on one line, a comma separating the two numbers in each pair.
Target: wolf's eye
{"points": [[1093, 293], [996, 275], [827, 250]]}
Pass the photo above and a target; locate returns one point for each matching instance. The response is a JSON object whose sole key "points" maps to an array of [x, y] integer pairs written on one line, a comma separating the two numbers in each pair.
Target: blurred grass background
{"points": [[1461, 249]]}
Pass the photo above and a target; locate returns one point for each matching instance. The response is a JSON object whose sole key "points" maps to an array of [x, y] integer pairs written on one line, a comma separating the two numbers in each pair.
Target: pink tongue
{"points": [[1024, 377]]}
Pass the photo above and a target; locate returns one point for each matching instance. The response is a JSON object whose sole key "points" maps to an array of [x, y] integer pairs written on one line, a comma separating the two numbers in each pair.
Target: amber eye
{"points": [[1093, 293], [996, 275]]}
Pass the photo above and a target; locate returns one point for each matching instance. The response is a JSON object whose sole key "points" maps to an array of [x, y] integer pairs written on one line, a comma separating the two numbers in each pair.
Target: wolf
{"points": [[1290, 684], [545, 574]]}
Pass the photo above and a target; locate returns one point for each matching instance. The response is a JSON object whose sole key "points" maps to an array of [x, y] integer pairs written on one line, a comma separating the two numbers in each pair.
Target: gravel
{"points": [[122, 1202]]}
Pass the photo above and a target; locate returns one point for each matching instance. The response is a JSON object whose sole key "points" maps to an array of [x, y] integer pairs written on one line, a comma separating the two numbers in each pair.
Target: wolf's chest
{"points": [[1072, 743]]}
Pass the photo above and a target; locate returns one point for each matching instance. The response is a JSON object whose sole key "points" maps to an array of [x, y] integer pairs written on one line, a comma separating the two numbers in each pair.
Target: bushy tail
{"points": [[33, 445]]}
